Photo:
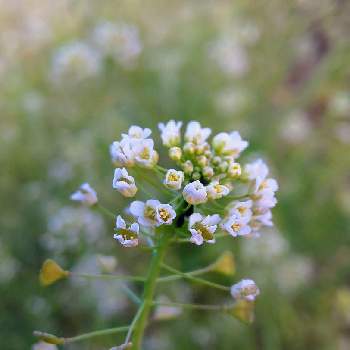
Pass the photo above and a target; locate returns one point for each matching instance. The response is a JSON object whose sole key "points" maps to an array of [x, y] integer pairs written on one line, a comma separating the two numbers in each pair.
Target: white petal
{"points": [[137, 208]]}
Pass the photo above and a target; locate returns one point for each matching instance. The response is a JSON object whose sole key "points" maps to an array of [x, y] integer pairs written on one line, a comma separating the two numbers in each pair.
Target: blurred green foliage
{"points": [[288, 93]]}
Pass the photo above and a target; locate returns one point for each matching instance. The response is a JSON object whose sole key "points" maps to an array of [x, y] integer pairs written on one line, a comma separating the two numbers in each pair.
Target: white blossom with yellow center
{"points": [[173, 179]]}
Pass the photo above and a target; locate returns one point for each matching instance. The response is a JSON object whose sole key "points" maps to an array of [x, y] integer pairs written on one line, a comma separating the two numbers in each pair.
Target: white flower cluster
{"points": [[205, 172], [118, 40], [81, 59]]}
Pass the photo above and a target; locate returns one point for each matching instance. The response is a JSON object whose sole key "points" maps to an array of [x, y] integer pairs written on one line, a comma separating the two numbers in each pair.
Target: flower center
{"points": [[127, 234], [236, 227], [145, 154], [165, 216], [242, 210], [203, 231], [150, 213], [173, 177]]}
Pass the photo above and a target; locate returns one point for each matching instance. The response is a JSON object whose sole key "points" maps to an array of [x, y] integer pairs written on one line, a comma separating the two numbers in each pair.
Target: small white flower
{"points": [[196, 134], [243, 209], [236, 225], [202, 228], [170, 133], [264, 219], [136, 132], [217, 191], [257, 171], [152, 213], [195, 193], [124, 183], [229, 144], [85, 194], [127, 236], [144, 153], [245, 289], [165, 214], [173, 179], [121, 153], [146, 213]]}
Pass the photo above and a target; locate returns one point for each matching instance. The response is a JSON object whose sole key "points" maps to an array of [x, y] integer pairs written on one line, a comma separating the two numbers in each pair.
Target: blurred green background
{"points": [[277, 71]]}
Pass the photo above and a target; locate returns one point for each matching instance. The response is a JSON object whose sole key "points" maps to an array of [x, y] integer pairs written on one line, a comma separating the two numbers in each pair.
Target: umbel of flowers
{"points": [[210, 195]]}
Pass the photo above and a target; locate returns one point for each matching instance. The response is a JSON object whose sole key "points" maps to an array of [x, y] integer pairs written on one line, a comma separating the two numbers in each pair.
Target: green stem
{"points": [[105, 211], [196, 279], [189, 274], [149, 289], [96, 334], [191, 306], [108, 277]]}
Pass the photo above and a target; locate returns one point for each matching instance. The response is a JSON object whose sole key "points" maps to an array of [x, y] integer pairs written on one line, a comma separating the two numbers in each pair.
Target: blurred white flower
{"points": [[243, 208], [231, 100], [124, 183], [293, 273], [44, 346], [120, 41], [340, 103], [107, 263], [296, 128], [85, 194], [170, 133], [265, 249], [74, 62], [342, 132], [229, 144], [196, 134], [71, 226], [8, 266], [165, 312], [245, 289], [236, 225], [195, 193], [128, 237], [256, 171], [136, 132], [202, 228], [230, 56], [121, 153]]}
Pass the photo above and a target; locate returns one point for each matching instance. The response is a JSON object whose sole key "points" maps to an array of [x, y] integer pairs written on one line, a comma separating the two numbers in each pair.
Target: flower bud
{"points": [[202, 161], [242, 310], [175, 153], [216, 160], [196, 175], [173, 179], [51, 272], [234, 170], [223, 167], [187, 167], [208, 172], [189, 148], [225, 264]]}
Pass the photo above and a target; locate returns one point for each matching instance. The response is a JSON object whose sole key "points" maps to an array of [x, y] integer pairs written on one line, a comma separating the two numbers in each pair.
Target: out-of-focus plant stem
{"points": [[149, 288]]}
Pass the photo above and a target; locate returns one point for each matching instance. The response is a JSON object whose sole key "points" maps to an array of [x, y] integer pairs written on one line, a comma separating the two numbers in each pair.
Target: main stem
{"points": [[149, 289]]}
